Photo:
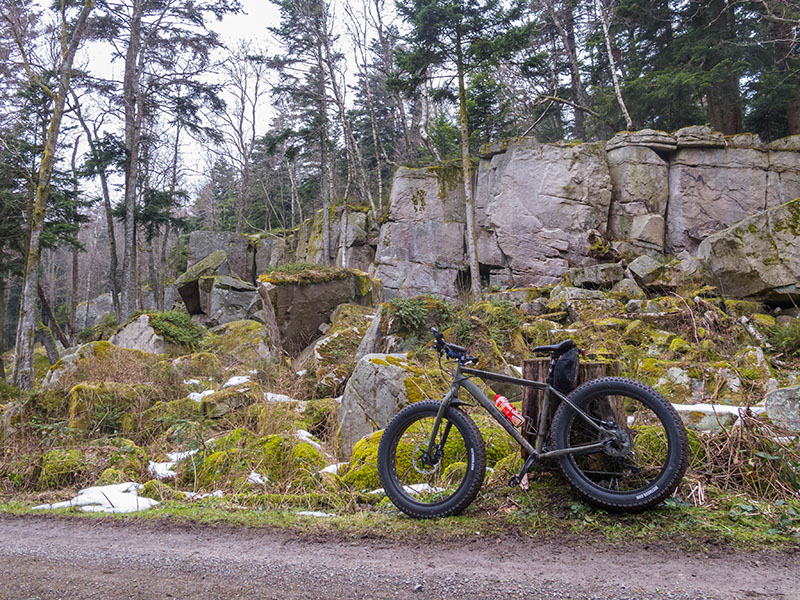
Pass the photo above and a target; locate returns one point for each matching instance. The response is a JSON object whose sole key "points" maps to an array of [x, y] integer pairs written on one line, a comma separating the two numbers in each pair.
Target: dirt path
{"points": [[48, 557]]}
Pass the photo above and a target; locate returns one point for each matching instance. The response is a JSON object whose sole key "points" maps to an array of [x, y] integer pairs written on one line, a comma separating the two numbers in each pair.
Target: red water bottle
{"points": [[509, 411]]}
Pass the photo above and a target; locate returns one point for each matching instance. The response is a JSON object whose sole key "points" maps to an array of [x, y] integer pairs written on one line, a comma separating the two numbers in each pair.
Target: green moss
{"points": [[100, 407], [177, 328], [111, 476], [231, 399], [739, 308], [320, 417], [306, 274], [61, 468], [362, 472], [679, 346], [766, 321], [162, 416], [200, 364], [243, 342], [449, 177], [157, 490]]}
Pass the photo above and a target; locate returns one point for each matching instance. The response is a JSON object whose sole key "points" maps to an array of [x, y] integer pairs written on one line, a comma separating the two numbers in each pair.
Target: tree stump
{"points": [[536, 369]]}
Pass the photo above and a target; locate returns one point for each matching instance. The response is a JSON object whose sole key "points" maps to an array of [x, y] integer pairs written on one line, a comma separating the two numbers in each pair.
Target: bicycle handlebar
{"points": [[458, 353]]}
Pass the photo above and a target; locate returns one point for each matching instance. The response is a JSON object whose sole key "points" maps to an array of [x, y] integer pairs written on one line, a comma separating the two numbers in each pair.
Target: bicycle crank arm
{"points": [[527, 466]]}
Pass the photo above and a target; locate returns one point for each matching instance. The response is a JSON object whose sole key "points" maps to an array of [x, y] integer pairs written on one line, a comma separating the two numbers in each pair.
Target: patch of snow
{"points": [[165, 470], [191, 381], [314, 513], [198, 496], [305, 436], [198, 396], [414, 489], [335, 468], [302, 372], [257, 478], [271, 397], [339, 399], [236, 380], [117, 498], [253, 371], [720, 409]]}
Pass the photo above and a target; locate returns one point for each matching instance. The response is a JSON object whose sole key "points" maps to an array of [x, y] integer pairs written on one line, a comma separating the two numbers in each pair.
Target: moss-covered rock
{"points": [[229, 460], [331, 357], [243, 342], [100, 407], [231, 399], [158, 490], [362, 471], [60, 468], [162, 415], [101, 361], [111, 476], [199, 364]]}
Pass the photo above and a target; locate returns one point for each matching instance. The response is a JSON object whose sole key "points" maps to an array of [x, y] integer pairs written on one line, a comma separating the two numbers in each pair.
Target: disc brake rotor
{"points": [[418, 459]]}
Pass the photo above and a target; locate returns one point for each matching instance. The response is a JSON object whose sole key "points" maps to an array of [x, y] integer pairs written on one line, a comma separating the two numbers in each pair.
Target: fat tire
{"points": [[475, 454], [678, 446]]}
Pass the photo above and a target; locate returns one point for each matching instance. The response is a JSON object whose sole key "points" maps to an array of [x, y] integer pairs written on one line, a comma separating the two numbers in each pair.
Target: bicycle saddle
{"points": [[557, 349]]}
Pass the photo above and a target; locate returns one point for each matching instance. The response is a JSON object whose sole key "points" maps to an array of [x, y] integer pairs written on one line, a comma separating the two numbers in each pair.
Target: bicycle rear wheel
{"points": [[645, 459], [425, 484]]}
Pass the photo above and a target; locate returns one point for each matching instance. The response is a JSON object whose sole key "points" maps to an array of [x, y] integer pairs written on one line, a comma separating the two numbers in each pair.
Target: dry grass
{"points": [[757, 458]]}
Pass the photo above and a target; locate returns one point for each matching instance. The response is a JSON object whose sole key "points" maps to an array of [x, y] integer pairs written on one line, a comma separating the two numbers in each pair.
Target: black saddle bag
{"points": [[565, 372]]}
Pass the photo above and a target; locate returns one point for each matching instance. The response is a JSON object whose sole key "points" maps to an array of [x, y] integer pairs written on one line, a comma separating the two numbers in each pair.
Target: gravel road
{"points": [[72, 558]]}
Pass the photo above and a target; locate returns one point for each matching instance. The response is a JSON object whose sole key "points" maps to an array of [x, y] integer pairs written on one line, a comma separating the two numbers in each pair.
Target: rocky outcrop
{"points": [[640, 182], [224, 299], [88, 316], [535, 206], [235, 246], [421, 246], [711, 189], [759, 256], [544, 208]]}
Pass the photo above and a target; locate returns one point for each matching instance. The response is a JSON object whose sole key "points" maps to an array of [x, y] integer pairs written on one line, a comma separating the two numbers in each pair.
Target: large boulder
{"points": [[375, 392], [139, 335], [224, 299], [244, 342], [759, 256], [301, 301], [188, 284], [421, 246], [535, 206], [783, 407], [711, 189], [235, 246], [331, 358]]}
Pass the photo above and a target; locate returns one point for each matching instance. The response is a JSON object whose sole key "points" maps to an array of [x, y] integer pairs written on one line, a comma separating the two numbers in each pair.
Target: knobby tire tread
{"points": [[579, 485]]}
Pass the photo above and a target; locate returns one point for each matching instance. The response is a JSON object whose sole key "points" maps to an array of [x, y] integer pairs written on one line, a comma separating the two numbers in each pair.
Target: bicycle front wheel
{"points": [[424, 481], [644, 450]]}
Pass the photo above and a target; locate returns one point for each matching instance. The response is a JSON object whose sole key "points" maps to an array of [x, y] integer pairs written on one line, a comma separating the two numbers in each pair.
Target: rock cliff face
{"points": [[539, 207]]}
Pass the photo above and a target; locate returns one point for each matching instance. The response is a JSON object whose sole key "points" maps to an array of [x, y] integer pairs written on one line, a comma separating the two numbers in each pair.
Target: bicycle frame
{"points": [[535, 452]]}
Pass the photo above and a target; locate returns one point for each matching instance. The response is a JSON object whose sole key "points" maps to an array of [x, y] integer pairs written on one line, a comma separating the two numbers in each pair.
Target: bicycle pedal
{"points": [[514, 481]]}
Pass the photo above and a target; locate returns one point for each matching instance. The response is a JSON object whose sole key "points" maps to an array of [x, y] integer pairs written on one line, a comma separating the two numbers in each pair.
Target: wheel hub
{"points": [[620, 444], [422, 460]]}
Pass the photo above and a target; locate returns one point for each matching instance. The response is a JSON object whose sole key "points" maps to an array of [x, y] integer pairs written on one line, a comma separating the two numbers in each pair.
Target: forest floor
{"points": [[76, 557]]}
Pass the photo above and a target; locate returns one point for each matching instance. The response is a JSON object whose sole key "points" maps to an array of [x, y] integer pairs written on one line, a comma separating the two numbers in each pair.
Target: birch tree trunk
{"points": [[23, 353], [612, 63]]}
